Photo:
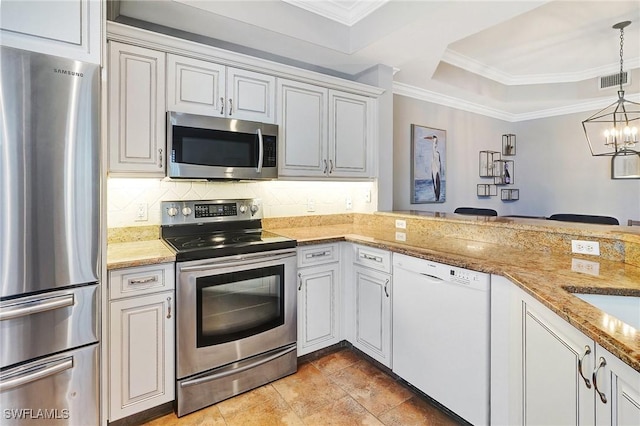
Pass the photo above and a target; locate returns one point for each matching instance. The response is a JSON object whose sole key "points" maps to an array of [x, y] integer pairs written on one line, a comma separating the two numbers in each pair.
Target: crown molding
{"points": [[474, 66], [334, 10], [449, 101]]}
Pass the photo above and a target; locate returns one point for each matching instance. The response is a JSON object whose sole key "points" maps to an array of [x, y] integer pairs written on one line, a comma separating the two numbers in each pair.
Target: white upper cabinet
{"points": [[350, 134], [136, 111], [67, 28], [303, 130], [206, 88], [325, 132], [194, 86]]}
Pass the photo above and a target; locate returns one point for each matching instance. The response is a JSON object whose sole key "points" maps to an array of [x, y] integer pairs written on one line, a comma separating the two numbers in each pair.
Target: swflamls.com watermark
{"points": [[35, 414]]}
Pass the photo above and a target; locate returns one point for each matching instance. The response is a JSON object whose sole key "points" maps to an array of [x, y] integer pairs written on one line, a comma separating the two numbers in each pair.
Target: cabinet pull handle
{"points": [[299, 281], [221, 105], [370, 257], [325, 167], [587, 351], [230, 107], [385, 287], [331, 168], [601, 364], [144, 280], [318, 254], [168, 307], [160, 158]]}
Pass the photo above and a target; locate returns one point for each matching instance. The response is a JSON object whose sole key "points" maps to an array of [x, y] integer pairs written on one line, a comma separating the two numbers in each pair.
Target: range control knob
{"points": [[186, 211], [243, 208], [254, 209], [172, 211]]}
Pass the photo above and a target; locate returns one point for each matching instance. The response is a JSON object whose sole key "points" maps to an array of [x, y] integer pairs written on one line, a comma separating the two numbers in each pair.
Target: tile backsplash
{"points": [[279, 198]]}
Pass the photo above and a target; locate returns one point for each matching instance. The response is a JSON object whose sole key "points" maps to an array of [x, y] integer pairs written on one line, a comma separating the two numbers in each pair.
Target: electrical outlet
{"points": [[401, 236], [400, 223], [311, 205], [142, 212], [585, 247], [348, 203]]}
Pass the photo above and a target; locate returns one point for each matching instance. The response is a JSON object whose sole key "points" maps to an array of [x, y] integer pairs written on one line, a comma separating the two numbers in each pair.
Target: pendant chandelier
{"points": [[613, 131]]}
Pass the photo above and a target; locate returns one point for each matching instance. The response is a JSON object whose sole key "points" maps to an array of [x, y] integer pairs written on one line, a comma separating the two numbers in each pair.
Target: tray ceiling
{"points": [[509, 59]]}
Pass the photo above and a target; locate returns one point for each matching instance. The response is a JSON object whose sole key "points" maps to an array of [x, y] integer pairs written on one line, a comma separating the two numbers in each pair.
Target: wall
{"points": [[279, 198], [554, 170]]}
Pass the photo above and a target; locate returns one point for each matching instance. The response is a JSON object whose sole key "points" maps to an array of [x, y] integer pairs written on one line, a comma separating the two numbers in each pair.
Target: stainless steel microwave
{"points": [[203, 147]]}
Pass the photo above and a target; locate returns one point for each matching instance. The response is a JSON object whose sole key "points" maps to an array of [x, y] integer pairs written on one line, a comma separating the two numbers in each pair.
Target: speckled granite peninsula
{"points": [[534, 254]]}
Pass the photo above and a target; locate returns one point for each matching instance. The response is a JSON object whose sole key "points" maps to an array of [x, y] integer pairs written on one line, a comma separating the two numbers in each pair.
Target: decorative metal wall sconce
{"points": [[504, 172], [510, 194], [625, 164], [487, 190], [487, 163], [509, 144]]}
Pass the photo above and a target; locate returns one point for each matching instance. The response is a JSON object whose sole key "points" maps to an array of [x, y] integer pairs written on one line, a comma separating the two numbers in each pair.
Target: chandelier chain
{"points": [[621, 45]]}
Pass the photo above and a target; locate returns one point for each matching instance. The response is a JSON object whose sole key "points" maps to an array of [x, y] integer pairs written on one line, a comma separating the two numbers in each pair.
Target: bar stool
{"points": [[475, 211], [584, 218]]}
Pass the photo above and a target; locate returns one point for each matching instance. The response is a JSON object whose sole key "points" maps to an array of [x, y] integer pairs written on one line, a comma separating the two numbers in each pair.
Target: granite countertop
{"points": [[138, 253], [546, 276]]}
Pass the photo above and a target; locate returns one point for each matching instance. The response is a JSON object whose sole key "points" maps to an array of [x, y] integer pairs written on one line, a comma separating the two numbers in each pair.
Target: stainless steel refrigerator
{"points": [[49, 239]]}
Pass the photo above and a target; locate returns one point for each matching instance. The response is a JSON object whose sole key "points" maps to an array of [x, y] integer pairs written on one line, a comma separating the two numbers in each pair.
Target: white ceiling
{"points": [[513, 60]]}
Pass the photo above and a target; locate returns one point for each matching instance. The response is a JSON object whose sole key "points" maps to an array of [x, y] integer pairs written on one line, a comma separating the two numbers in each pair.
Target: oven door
{"points": [[234, 307]]}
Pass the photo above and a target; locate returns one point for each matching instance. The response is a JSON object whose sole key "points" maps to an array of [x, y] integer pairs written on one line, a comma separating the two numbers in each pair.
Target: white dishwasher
{"points": [[441, 334]]}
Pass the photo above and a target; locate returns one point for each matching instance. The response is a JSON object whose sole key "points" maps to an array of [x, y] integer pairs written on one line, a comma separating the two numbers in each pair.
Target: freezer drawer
{"points": [[39, 325], [57, 390]]}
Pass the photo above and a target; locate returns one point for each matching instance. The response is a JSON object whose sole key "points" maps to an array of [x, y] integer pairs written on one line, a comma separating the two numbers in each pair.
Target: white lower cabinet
{"points": [[319, 297], [141, 339], [545, 371], [372, 303]]}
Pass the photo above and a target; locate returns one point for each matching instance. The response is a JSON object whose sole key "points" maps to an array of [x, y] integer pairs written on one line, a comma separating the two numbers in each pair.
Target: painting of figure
{"points": [[428, 154]]}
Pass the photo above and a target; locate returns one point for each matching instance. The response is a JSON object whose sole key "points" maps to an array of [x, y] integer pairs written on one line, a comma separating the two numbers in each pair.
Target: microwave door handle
{"points": [[260, 151]]}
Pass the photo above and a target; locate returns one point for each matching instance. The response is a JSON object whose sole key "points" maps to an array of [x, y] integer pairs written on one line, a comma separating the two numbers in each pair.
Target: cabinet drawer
{"points": [[141, 280], [372, 258], [318, 254]]}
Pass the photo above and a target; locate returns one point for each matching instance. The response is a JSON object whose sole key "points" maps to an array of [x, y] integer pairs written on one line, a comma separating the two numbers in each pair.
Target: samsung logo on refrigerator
{"points": [[67, 72]]}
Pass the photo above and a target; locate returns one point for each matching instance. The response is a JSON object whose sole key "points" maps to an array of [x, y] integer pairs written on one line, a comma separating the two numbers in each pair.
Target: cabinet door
{"points": [[373, 313], [351, 145], [195, 87], [318, 307], [69, 28], [251, 96], [136, 111], [554, 354], [141, 354], [303, 129], [618, 391]]}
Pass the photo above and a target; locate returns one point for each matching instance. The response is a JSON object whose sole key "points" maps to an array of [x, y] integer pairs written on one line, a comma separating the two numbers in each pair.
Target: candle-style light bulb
{"points": [[634, 134]]}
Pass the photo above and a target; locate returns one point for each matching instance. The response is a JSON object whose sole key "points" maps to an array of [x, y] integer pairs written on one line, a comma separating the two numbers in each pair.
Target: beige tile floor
{"points": [[340, 388]]}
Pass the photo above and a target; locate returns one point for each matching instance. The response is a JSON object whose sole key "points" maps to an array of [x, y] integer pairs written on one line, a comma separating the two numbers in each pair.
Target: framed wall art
{"points": [[428, 165]]}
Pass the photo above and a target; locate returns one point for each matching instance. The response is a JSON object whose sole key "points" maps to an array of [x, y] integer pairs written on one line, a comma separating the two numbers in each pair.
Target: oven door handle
{"points": [[237, 261], [36, 373], [231, 371]]}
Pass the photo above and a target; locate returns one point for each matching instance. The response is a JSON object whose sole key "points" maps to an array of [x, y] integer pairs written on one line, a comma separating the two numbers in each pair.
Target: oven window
{"points": [[239, 304], [214, 147]]}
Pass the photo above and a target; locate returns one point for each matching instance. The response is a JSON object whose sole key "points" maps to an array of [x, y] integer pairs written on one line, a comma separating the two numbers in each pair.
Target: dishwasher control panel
{"points": [[463, 276]]}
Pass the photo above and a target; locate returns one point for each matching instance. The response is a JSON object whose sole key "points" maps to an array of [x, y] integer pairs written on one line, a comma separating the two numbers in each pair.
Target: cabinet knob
{"points": [[386, 283], [299, 281], [168, 307], [221, 106], [325, 167], [160, 157], [230, 107]]}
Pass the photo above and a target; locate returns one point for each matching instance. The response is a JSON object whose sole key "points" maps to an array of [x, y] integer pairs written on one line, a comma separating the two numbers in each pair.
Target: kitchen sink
{"points": [[625, 308]]}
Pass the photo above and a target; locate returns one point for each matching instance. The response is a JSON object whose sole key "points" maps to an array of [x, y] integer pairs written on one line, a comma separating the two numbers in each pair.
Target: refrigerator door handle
{"points": [[33, 307], [36, 373]]}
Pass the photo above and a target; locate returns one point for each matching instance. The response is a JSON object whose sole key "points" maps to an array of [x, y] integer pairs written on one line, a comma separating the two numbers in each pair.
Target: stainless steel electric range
{"points": [[236, 300]]}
